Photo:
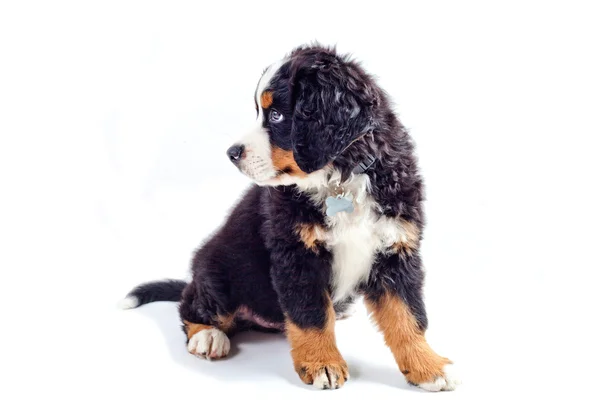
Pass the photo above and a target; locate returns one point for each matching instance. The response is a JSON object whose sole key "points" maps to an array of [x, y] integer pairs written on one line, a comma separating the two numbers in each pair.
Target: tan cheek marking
{"points": [[314, 350], [266, 99], [417, 361], [283, 160], [409, 241], [311, 235]]}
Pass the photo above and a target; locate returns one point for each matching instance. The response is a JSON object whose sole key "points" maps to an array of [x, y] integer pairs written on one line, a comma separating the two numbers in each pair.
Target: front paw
{"points": [[446, 380], [323, 375]]}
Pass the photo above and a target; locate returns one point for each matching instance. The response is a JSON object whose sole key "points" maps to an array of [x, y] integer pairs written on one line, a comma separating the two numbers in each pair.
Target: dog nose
{"points": [[235, 153]]}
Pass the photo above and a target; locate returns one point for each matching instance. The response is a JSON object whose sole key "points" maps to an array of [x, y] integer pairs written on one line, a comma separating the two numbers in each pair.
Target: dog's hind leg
{"points": [[205, 323]]}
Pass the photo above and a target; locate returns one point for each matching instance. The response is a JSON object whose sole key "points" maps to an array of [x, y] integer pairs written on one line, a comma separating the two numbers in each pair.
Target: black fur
{"points": [[167, 290], [403, 275], [334, 114], [232, 269], [300, 277], [334, 105]]}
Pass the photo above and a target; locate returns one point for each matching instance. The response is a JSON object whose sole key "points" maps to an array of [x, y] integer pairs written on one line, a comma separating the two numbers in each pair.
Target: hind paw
{"points": [[210, 344]]}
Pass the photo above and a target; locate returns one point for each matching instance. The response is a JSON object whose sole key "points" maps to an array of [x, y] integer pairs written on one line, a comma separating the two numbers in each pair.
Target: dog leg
{"points": [[317, 359], [301, 277], [397, 308], [206, 341], [206, 329]]}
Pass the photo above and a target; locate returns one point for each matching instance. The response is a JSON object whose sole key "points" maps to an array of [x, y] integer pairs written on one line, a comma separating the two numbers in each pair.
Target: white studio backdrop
{"points": [[114, 121]]}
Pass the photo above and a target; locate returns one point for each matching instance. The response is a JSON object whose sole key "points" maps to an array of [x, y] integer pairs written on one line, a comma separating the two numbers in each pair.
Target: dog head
{"points": [[311, 107]]}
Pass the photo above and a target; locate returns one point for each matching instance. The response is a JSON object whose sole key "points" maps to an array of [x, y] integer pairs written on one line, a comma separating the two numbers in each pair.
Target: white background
{"points": [[114, 121]]}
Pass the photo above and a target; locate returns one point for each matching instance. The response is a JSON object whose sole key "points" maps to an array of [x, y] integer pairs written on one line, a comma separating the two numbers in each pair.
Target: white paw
{"points": [[448, 382], [209, 343], [329, 378], [321, 381]]}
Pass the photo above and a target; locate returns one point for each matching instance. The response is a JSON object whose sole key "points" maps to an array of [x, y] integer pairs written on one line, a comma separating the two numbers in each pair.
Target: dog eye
{"points": [[275, 116]]}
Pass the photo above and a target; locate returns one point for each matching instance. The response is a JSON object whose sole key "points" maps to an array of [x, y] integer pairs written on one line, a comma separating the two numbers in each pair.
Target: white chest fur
{"points": [[354, 239]]}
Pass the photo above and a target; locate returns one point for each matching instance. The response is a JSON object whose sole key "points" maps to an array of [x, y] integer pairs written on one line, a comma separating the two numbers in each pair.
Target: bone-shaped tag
{"points": [[338, 204]]}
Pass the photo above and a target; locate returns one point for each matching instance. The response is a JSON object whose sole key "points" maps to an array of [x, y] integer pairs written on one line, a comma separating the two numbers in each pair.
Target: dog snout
{"points": [[236, 153]]}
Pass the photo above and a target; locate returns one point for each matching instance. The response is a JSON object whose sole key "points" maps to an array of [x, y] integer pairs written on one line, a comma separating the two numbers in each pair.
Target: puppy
{"points": [[335, 213]]}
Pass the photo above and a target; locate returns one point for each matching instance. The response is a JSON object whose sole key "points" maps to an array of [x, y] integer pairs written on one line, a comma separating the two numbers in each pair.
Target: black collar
{"points": [[364, 165]]}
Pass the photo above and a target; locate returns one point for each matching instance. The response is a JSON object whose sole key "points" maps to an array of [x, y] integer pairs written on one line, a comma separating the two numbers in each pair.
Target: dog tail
{"points": [[166, 290]]}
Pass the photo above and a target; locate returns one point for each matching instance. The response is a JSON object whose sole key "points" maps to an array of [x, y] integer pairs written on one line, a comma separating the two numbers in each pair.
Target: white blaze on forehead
{"points": [[257, 163], [264, 81]]}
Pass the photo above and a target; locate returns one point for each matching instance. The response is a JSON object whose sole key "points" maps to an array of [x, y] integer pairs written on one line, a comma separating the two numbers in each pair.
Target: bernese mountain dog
{"points": [[335, 214]]}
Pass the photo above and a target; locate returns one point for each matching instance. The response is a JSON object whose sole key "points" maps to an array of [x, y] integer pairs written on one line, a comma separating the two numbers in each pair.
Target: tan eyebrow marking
{"points": [[266, 99]]}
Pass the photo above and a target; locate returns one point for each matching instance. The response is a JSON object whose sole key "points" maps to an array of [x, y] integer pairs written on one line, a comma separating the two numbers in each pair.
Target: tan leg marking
{"points": [[315, 353], [227, 323], [311, 235], [409, 240], [224, 323], [417, 361], [191, 329], [206, 341]]}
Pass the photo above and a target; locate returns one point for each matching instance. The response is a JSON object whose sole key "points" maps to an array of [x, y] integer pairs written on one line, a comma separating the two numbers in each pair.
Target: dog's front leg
{"points": [[301, 280], [393, 295]]}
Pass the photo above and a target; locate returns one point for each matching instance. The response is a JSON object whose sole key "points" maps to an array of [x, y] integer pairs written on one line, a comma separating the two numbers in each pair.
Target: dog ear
{"points": [[334, 101]]}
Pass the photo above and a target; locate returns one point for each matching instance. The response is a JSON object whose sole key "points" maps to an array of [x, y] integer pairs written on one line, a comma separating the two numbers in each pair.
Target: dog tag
{"points": [[338, 204]]}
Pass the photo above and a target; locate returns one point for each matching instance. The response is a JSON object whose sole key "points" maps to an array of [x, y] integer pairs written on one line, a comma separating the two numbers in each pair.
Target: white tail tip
{"points": [[128, 302]]}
